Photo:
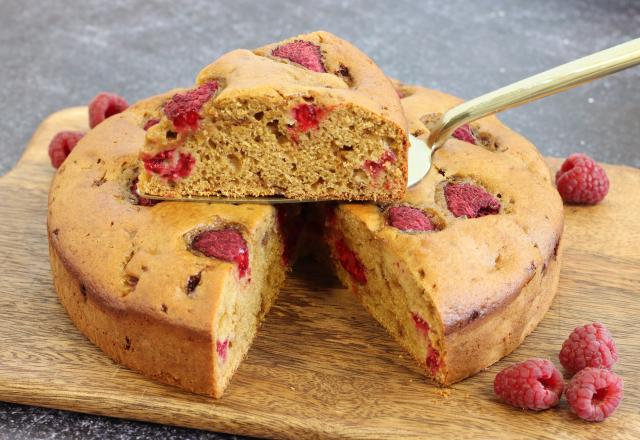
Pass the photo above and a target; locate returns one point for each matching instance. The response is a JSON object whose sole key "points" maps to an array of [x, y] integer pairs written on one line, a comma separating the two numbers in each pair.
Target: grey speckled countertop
{"points": [[61, 53]]}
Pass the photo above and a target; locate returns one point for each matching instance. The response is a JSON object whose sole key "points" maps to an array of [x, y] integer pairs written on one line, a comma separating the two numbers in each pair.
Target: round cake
{"points": [[459, 272]]}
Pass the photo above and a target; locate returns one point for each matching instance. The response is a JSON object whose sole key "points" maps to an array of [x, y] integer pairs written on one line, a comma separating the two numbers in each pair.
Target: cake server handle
{"points": [[538, 86]]}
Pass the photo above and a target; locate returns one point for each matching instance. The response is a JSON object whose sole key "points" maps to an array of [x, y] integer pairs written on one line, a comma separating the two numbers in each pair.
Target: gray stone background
{"points": [[57, 54]]}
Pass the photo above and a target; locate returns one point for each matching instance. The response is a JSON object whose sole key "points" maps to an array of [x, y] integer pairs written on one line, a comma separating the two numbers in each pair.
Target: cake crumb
{"points": [[443, 392]]}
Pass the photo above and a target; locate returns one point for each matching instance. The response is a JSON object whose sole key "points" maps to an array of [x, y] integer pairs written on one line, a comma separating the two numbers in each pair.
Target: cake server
{"points": [[538, 86]]}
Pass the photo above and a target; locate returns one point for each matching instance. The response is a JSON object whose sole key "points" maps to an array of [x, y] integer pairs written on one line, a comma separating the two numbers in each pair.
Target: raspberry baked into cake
{"points": [[465, 267], [311, 117]]}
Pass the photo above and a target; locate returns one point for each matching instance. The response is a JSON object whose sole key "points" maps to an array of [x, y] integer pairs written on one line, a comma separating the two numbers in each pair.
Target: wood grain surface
{"points": [[320, 367]]}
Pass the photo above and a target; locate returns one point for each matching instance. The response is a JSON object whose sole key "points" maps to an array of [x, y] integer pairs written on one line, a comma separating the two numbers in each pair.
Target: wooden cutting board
{"points": [[320, 367]]}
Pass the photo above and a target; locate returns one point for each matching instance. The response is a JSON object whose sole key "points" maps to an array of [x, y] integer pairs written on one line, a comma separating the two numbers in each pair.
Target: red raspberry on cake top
{"points": [[464, 133], [408, 218], [183, 109], [305, 53], [224, 244], [472, 201]]}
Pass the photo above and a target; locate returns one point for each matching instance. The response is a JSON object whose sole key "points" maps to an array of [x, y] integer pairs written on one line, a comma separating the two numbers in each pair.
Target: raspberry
{"points": [[308, 116], [421, 325], [141, 200], [375, 167], [184, 108], [594, 393], [534, 384], [222, 347], [301, 52], [465, 134], [224, 244], [433, 360], [150, 123], [290, 226], [407, 218], [167, 166], [588, 346], [350, 262], [105, 105], [582, 180], [465, 199], [61, 145]]}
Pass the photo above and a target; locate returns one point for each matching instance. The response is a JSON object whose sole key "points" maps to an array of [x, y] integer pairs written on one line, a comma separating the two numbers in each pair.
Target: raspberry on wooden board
{"points": [[535, 384], [105, 105], [61, 145], [581, 180], [595, 393], [590, 345]]}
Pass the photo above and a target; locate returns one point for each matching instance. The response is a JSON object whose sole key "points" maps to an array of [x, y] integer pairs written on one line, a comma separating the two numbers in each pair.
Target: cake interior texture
{"points": [[307, 118], [290, 147]]}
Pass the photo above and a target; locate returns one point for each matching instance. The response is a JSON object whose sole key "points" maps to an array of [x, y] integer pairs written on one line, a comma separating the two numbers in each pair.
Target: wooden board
{"points": [[320, 366]]}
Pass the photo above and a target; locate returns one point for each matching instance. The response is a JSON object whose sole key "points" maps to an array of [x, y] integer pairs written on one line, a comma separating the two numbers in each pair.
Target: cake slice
{"points": [[311, 117]]}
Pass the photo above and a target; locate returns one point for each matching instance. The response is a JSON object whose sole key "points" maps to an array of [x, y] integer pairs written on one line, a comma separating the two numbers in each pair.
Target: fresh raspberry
{"points": [[588, 346], [421, 325], [350, 262], [465, 134], [594, 393], [222, 347], [582, 180], [290, 225], [184, 108], [61, 145], [301, 52], [465, 199], [534, 384], [105, 105], [374, 168], [433, 360], [143, 201], [224, 244], [407, 218], [166, 165], [150, 123]]}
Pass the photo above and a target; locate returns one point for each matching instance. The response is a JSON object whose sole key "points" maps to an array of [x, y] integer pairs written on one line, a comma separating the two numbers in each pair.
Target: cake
{"points": [[466, 265], [311, 117], [459, 271]]}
